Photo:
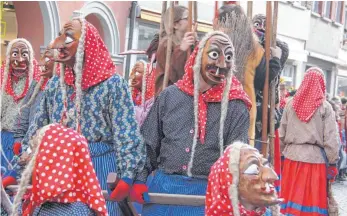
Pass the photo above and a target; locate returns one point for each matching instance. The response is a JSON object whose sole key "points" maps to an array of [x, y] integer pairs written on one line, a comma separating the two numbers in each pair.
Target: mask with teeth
{"points": [[19, 58], [256, 187], [216, 60], [47, 63]]}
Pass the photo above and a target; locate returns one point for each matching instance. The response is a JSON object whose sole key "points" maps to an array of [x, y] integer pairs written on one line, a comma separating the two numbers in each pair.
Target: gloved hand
{"points": [[122, 189], [276, 52], [9, 178], [17, 148], [139, 192], [332, 173]]}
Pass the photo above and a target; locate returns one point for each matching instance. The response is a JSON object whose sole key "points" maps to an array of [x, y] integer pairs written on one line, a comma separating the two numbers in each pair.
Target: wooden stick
{"points": [[157, 198], [163, 10], [250, 9], [190, 15], [273, 88], [264, 136], [169, 46], [195, 7]]}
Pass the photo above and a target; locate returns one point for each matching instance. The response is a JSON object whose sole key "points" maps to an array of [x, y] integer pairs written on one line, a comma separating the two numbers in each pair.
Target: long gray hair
{"points": [[225, 98]]}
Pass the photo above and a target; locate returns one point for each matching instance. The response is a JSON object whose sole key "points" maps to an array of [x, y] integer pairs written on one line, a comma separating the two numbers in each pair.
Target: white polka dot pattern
{"points": [[310, 94], [57, 179], [218, 201], [98, 65]]}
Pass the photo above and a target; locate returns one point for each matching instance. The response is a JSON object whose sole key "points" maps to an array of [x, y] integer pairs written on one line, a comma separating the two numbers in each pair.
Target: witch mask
{"points": [[216, 60], [19, 59]]}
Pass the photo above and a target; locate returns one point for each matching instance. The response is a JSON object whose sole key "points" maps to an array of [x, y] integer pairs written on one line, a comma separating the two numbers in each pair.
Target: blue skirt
{"points": [[175, 184], [7, 142], [104, 162]]}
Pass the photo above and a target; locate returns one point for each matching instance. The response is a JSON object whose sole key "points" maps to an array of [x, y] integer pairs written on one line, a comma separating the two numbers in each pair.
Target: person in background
{"points": [[182, 44], [310, 145]]}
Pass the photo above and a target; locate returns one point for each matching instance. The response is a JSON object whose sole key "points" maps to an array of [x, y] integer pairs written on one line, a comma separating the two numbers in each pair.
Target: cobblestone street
{"points": [[340, 194]]}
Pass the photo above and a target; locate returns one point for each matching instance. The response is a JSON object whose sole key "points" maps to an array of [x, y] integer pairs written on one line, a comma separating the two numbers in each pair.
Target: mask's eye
{"points": [[256, 24], [68, 40], [229, 58], [47, 59], [137, 73], [213, 55], [14, 54], [252, 170], [25, 55]]}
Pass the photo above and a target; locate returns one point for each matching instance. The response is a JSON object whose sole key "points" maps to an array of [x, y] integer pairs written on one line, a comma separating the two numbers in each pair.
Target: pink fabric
{"points": [[141, 111]]}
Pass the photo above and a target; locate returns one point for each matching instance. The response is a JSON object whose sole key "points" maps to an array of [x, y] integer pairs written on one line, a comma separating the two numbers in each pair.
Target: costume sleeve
{"points": [[330, 136], [283, 127], [178, 61], [152, 132], [275, 69], [23, 118], [127, 140], [238, 122], [42, 113]]}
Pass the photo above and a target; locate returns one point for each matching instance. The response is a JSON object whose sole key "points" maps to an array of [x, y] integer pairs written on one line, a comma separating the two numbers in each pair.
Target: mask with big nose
{"points": [[67, 42], [217, 60]]}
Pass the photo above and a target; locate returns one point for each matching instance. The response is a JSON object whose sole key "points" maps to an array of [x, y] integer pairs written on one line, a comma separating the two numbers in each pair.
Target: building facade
{"points": [[40, 22], [316, 31]]}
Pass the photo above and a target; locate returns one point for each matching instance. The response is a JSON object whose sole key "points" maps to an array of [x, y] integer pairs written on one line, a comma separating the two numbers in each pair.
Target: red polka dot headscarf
{"points": [[222, 189], [97, 64], [310, 94], [63, 172]]}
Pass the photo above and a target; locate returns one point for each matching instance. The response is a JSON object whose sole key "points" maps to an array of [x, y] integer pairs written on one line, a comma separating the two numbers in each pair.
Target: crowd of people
{"points": [[70, 120]]}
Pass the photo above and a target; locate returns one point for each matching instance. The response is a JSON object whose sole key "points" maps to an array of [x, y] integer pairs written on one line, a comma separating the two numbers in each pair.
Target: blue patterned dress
{"points": [[108, 123]]}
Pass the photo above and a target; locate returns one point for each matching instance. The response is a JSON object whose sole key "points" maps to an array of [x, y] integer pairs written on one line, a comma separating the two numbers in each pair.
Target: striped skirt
{"points": [[175, 184], [7, 142], [304, 189]]}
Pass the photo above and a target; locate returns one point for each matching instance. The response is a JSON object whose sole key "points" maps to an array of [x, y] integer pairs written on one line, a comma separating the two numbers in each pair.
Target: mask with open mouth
{"points": [[216, 60], [67, 42], [19, 59]]}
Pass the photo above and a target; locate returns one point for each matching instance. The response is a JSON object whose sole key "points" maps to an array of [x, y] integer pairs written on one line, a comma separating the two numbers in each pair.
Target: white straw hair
{"points": [[27, 173], [7, 64], [234, 169], [78, 70], [225, 98], [144, 84]]}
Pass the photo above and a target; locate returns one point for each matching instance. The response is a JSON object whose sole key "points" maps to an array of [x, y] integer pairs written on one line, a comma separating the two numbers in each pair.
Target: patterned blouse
{"points": [[107, 115], [168, 132]]}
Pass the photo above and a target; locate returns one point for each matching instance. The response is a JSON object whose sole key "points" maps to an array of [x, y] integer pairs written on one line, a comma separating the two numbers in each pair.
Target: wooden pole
{"points": [[250, 9], [268, 32], [190, 15], [195, 7], [169, 46], [158, 198], [163, 10], [273, 87]]}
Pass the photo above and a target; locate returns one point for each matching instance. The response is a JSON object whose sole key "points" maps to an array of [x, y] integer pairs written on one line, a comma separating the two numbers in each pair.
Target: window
{"points": [[317, 7], [288, 74], [339, 12], [341, 87], [146, 35], [327, 9]]}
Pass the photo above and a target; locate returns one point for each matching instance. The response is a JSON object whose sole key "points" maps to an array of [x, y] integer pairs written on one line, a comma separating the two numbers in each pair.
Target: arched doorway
{"points": [[102, 17], [39, 27]]}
